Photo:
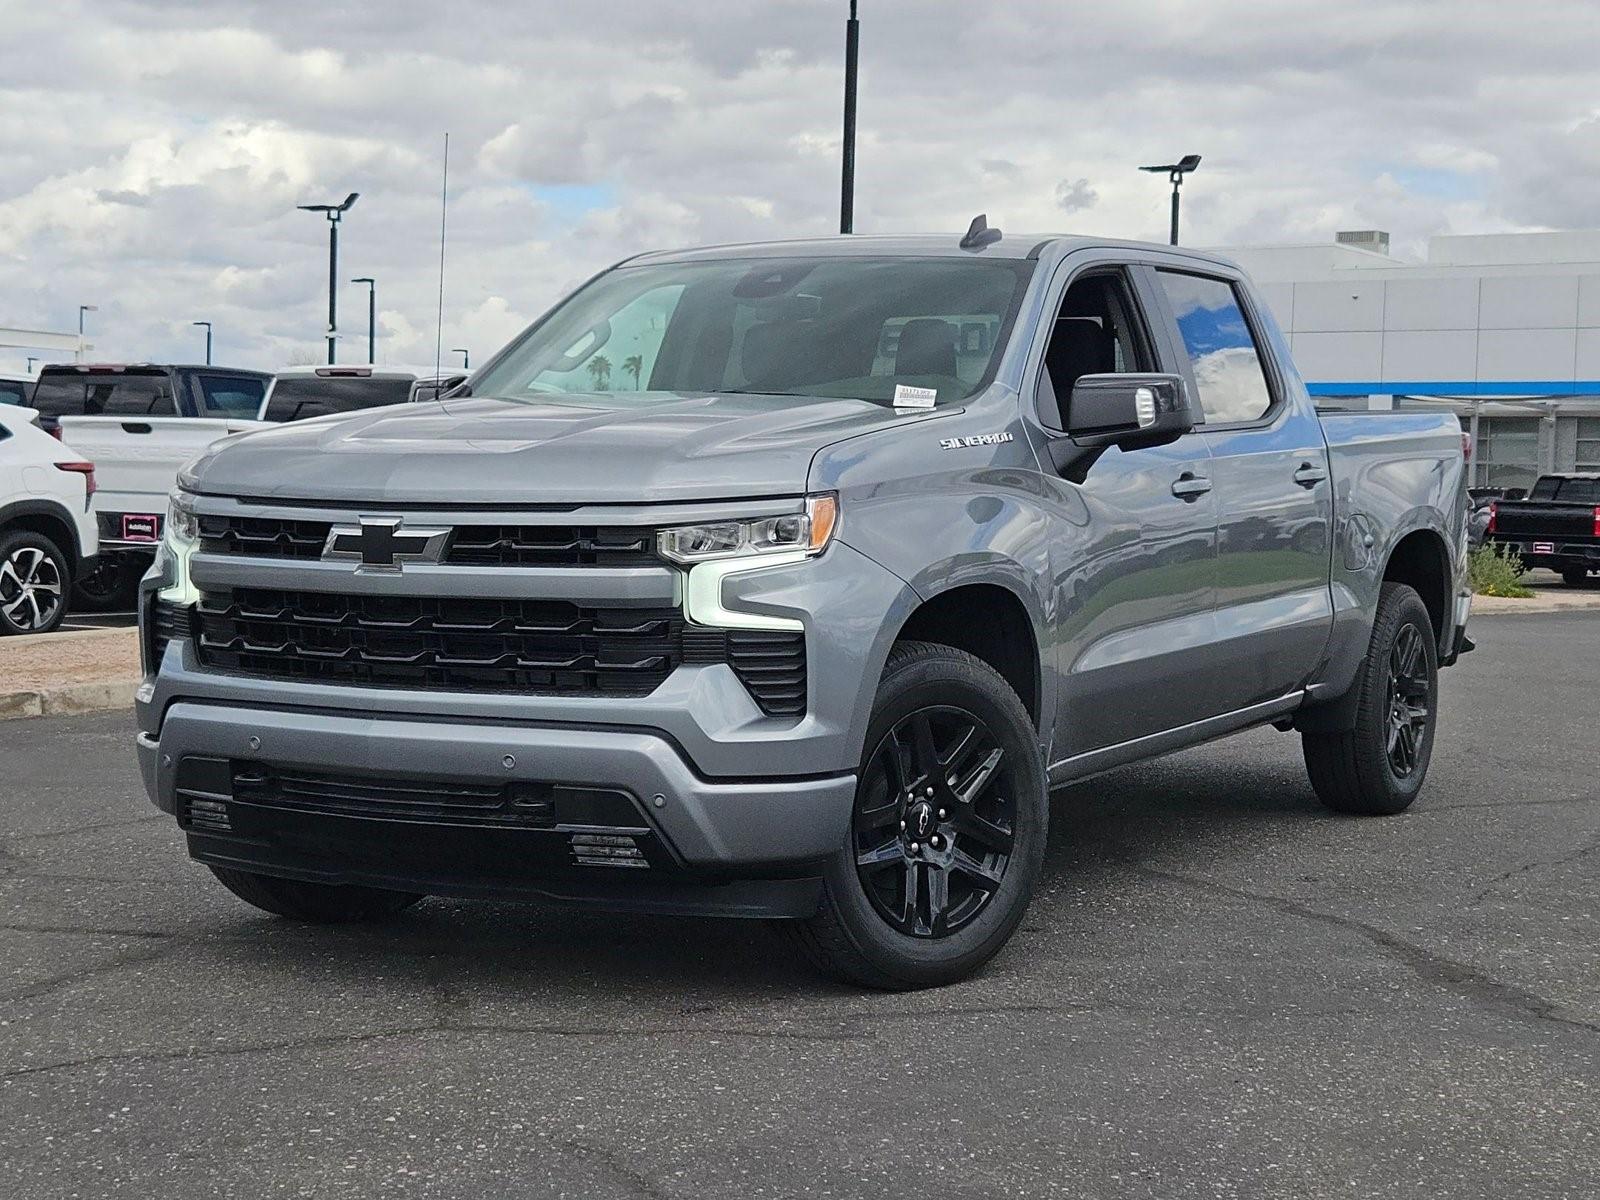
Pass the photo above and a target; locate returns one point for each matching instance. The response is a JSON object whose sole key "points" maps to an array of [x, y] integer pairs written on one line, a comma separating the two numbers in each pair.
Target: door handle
{"points": [[1309, 475], [1189, 487]]}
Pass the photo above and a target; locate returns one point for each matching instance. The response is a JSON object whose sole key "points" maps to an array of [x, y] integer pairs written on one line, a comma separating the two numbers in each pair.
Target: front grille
{"points": [[470, 545], [770, 664], [535, 646], [552, 546], [263, 537], [529, 804]]}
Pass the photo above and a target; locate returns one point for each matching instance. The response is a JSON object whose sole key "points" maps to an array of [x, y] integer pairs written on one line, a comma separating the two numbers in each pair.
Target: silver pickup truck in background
{"points": [[785, 581]]}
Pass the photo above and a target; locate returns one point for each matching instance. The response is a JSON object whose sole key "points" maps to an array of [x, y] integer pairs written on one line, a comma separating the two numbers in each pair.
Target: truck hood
{"points": [[580, 450]]}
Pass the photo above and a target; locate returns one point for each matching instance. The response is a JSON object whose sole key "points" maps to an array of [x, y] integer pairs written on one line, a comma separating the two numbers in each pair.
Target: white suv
{"points": [[47, 533]]}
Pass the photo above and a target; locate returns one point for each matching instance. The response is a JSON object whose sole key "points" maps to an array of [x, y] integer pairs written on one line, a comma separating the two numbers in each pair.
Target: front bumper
{"points": [[700, 836]]}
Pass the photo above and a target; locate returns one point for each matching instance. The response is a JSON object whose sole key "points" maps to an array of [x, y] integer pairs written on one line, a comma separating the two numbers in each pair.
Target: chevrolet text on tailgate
{"points": [[785, 581]]}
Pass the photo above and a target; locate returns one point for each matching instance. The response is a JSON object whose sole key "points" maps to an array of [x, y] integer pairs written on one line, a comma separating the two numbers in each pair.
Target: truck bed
{"points": [[136, 465]]}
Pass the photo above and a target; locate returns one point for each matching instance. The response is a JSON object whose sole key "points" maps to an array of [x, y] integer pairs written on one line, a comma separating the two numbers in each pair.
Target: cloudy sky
{"points": [[151, 154]]}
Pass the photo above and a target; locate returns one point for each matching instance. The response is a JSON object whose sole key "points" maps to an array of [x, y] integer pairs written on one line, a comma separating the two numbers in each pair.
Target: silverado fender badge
{"points": [[982, 439]]}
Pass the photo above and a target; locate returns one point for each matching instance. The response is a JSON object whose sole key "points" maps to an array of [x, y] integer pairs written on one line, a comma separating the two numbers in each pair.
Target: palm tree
{"points": [[632, 365], [600, 371]]}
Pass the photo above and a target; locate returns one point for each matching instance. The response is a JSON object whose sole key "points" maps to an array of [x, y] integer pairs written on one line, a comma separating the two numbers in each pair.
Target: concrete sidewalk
{"points": [[59, 674]]}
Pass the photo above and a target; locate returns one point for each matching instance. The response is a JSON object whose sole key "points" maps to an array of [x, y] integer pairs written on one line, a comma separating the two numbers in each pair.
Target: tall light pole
{"points": [[847, 180], [31, 360], [83, 308], [1175, 172], [466, 360], [207, 325], [372, 316], [334, 212]]}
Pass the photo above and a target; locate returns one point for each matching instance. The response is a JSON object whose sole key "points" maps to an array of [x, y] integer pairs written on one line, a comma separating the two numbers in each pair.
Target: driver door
{"points": [[1135, 552]]}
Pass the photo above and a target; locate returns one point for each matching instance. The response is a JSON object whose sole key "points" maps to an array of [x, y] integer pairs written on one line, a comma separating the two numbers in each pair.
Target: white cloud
{"points": [[152, 151]]}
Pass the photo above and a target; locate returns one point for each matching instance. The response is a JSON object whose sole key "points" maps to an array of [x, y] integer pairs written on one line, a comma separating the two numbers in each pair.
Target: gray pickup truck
{"points": [[786, 581]]}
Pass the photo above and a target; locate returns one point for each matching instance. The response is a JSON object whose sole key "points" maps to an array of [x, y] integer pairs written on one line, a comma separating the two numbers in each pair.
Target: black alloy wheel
{"points": [[934, 821], [1410, 700]]}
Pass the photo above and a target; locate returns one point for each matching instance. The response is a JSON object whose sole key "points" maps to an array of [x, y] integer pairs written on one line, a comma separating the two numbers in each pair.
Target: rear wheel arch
{"points": [[48, 520], [1421, 561]]}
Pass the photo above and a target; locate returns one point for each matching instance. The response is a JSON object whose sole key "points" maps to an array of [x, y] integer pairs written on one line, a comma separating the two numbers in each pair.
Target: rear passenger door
{"points": [[1269, 466]]}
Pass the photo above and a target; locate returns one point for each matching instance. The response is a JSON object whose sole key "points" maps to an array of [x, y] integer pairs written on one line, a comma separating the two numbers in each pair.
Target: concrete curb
{"points": [[1494, 606], [69, 701]]}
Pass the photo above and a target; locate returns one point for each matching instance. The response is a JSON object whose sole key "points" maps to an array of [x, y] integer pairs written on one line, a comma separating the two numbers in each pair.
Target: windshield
{"points": [[836, 327]]}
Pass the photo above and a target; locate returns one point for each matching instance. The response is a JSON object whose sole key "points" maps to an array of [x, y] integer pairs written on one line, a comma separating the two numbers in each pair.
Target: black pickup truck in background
{"points": [[1557, 526]]}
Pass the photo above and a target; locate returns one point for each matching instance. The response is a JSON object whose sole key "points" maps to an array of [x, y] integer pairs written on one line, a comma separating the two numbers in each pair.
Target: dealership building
{"points": [[1502, 329]]}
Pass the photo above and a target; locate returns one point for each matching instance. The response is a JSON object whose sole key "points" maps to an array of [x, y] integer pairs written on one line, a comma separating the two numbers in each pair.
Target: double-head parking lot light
{"points": [[1175, 172], [333, 212]]}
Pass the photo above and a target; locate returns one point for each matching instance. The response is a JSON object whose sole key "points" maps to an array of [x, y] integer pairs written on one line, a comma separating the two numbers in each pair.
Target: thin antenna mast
{"points": [[444, 206]]}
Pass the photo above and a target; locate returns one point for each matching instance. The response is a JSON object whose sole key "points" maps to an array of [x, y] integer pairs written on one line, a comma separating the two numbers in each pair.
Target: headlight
{"points": [[183, 525], [808, 532]]}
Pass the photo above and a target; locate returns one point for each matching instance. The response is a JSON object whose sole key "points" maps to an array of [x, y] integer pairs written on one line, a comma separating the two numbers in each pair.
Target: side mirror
{"points": [[1128, 411]]}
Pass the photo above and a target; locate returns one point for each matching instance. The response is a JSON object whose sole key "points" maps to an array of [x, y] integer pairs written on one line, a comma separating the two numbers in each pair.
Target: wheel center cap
{"points": [[920, 821]]}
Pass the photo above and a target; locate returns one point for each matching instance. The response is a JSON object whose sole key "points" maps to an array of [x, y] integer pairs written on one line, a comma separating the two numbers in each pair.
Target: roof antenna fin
{"points": [[979, 234]]}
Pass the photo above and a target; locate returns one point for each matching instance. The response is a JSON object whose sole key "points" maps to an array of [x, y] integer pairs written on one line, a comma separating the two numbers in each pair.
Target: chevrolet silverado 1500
{"points": [[785, 581]]}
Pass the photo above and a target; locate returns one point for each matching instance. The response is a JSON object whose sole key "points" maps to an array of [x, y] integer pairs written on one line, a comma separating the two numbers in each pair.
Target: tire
{"points": [[1574, 576], [1378, 767], [35, 583], [320, 903], [112, 586], [982, 839]]}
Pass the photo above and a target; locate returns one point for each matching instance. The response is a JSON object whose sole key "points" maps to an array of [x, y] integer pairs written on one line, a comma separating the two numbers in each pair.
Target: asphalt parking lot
{"points": [[1221, 991]]}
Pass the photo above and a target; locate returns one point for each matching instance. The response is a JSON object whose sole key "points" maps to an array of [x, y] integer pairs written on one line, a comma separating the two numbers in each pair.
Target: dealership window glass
{"points": [[231, 395], [1588, 444], [841, 326], [1507, 452], [1222, 350]]}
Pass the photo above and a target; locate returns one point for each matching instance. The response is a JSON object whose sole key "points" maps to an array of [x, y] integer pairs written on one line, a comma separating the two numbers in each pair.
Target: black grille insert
{"points": [[470, 545], [536, 646], [771, 665]]}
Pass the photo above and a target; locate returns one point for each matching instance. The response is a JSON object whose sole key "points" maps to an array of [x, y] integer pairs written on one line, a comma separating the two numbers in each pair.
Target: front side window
{"points": [[828, 327], [1222, 351], [231, 396]]}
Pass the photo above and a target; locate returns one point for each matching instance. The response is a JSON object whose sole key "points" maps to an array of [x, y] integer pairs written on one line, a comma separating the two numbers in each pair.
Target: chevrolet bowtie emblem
{"points": [[383, 544]]}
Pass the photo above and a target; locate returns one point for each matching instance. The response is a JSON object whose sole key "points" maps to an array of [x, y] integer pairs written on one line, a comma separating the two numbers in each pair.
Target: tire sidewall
{"points": [[1404, 607], [10, 543], [950, 680]]}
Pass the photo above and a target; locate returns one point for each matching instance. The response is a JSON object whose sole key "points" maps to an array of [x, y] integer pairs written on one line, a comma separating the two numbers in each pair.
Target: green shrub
{"points": [[1497, 571]]}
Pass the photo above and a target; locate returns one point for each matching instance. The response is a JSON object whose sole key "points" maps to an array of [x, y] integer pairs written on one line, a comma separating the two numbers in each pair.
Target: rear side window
{"points": [[1222, 350], [297, 397], [230, 396], [1570, 491], [13, 391], [60, 395]]}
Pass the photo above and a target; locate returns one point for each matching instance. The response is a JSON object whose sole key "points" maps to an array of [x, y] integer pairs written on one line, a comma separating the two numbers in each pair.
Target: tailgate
{"points": [[136, 459], [1526, 520]]}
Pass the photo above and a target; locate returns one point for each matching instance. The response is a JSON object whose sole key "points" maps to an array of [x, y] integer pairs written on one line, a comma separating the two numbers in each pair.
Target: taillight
{"points": [[86, 469], [1596, 530], [55, 432], [1494, 515], [1466, 446]]}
